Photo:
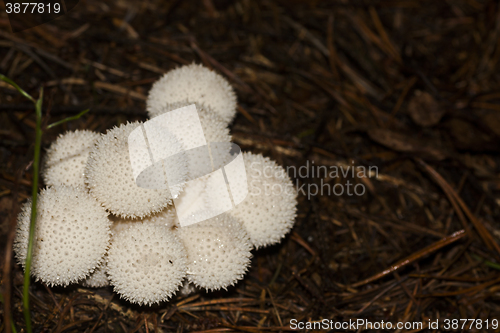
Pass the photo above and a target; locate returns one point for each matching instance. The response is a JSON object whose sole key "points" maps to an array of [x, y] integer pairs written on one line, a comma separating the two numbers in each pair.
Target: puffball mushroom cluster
{"points": [[96, 226]]}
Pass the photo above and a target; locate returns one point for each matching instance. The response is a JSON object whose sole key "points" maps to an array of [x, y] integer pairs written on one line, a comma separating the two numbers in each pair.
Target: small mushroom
{"points": [[67, 156], [110, 179], [71, 237], [218, 252], [193, 83], [268, 212], [146, 263]]}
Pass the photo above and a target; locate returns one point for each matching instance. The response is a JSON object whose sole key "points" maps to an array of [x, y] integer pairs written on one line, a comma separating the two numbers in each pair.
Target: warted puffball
{"points": [[146, 263], [71, 237], [66, 158], [193, 83], [268, 212], [164, 218], [218, 252], [109, 176]]}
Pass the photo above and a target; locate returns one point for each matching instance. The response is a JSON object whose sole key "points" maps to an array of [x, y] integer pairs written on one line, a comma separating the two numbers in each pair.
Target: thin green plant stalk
{"points": [[12, 83], [34, 192], [487, 262], [34, 195], [57, 123]]}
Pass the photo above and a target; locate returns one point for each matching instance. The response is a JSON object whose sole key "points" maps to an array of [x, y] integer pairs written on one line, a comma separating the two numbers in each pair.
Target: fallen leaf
{"points": [[404, 143], [424, 109]]}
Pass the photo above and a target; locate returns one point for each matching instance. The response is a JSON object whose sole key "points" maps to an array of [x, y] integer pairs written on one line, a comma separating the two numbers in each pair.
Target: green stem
{"points": [[67, 119], [12, 83], [34, 192], [487, 262], [36, 167]]}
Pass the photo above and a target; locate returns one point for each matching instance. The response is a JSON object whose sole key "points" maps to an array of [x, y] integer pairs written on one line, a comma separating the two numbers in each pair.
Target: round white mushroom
{"points": [[218, 252], [269, 210], [193, 83], [71, 237], [66, 158], [110, 178], [146, 263]]}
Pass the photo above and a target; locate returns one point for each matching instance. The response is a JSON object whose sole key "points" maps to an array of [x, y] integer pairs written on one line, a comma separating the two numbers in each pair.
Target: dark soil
{"points": [[407, 89]]}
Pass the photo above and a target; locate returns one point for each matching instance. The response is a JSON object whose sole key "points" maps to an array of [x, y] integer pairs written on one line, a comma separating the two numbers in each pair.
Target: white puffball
{"points": [[66, 158], [193, 83], [218, 252], [146, 263], [110, 179], [269, 210], [71, 236]]}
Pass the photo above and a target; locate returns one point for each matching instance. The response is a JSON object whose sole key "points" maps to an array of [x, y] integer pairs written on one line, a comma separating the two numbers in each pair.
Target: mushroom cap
{"points": [[71, 236], [269, 210], [193, 83], [146, 263], [109, 176], [97, 279], [218, 251], [66, 158]]}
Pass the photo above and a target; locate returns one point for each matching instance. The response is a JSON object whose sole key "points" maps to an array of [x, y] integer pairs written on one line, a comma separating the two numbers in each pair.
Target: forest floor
{"points": [[404, 93]]}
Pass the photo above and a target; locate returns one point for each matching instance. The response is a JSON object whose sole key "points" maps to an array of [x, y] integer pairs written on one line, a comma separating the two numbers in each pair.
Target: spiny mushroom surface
{"points": [[110, 179], [269, 210], [71, 237], [166, 218], [218, 252], [67, 156], [146, 263], [193, 83]]}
